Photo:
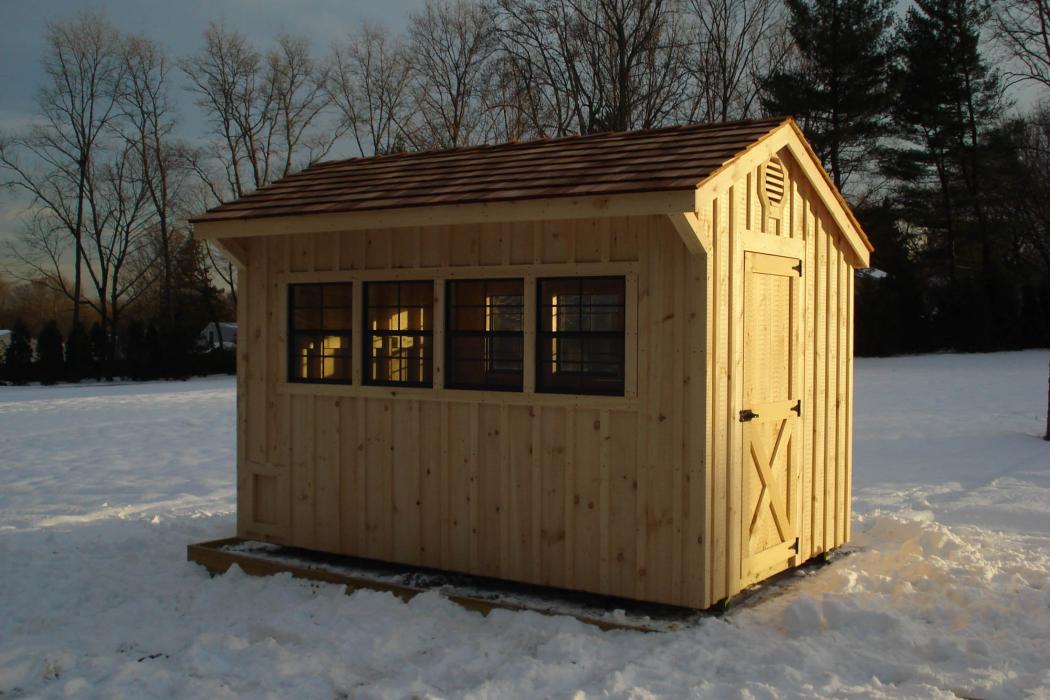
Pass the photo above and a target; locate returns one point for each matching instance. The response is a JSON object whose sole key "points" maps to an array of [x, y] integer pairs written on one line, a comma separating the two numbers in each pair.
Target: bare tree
{"points": [[55, 162], [452, 45], [119, 235], [1031, 201], [149, 121], [595, 65], [739, 41], [510, 98], [369, 83], [1023, 29], [266, 115], [264, 111], [116, 220], [301, 101]]}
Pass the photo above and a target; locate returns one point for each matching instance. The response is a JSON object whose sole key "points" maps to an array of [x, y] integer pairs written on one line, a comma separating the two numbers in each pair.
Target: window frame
{"points": [[541, 335], [368, 335], [451, 334], [437, 391], [290, 356]]}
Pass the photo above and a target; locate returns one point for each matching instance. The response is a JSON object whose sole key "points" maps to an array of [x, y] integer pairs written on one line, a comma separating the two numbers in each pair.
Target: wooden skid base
{"points": [[217, 557]]}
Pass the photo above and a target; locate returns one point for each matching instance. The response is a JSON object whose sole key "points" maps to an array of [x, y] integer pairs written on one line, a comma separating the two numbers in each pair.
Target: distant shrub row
{"points": [[141, 352]]}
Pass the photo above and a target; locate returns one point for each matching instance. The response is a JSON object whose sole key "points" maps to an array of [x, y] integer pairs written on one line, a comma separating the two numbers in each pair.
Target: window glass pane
{"points": [[512, 289], [321, 321], [485, 333], [382, 294], [505, 318], [468, 318], [384, 319], [602, 290], [505, 353], [401, 359], [416, 319], [306, 295], [471, 347], [417, 294], [338, 318], [306, 356], [466, 373], [560, 318], [581, 324], [336, 344], [567, 288], [307, 319], [468, 293], [566, 354], [602, 318], [399, 318], [336, 295]]}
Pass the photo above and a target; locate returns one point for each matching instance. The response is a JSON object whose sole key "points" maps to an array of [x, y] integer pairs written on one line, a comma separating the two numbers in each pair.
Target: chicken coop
{"points": [[618, 363]]}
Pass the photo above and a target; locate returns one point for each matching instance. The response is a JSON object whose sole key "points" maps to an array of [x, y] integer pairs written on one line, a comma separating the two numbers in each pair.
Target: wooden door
{"points": [[770, 415]]}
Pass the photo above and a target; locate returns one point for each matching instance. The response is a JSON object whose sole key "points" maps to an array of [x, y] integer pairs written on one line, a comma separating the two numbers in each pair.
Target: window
{"points": [[581, 335], [399, 325], [320, 322], [485, 338]]}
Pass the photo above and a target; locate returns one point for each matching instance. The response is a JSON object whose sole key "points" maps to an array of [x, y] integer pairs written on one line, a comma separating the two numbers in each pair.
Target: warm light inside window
{"points": [[485, 346], [399, 318], [320, 332]]}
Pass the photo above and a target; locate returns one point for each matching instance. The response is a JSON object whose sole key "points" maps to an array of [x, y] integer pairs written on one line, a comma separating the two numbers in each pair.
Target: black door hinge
{"points": [[797, 408], [747, 415], [795, 546], [798, 268]]}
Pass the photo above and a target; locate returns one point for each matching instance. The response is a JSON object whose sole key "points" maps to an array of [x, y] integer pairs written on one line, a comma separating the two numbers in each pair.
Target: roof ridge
{"points": [[511, 145]]}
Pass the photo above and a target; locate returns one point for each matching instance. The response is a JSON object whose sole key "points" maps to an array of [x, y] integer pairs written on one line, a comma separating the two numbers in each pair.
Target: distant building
{"points": [[210, 336]]}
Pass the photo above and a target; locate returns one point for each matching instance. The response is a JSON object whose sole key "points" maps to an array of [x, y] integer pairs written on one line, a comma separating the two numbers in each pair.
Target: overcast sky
{"points": [[176, 24]]}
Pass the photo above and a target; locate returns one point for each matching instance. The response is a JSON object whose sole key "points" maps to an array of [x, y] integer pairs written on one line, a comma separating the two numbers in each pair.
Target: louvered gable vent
{"points": [[775, 181]]}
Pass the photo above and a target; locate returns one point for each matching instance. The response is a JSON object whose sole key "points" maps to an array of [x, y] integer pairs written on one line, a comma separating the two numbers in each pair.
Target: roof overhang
{"points": [[627, 204]]}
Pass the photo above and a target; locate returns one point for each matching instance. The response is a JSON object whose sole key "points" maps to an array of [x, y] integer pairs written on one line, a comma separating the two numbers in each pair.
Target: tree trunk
{"points": [[78, 250], [1047, 436]]}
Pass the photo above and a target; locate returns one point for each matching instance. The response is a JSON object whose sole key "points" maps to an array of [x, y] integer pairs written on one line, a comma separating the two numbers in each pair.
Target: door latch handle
{"points": [[747, 415]]}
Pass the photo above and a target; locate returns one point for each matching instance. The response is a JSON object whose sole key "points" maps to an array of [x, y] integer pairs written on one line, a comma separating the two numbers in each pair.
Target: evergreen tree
{"points": [[18, 360], [839, 87], [78, 358], [892, 317], [153, 365], [49, 352], [135, 351], [948, 103], [98, 350]]}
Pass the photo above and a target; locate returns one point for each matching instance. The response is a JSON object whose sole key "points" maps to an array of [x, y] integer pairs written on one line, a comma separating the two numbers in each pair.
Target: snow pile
{"points": [[945, 592]]}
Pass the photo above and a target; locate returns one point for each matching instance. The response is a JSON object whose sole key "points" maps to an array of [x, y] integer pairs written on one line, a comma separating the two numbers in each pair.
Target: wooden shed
{"points": [[619, 363]]}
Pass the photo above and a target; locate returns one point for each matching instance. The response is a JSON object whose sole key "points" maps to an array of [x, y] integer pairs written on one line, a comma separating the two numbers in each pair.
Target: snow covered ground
{"points": [[947, 594]]}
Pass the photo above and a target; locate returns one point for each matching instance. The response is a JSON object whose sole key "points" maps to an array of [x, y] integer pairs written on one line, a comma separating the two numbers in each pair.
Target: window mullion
{"points": [[440, 330], [529, 339]]}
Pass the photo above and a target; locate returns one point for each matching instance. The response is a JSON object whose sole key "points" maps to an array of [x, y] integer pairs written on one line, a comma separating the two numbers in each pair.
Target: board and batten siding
{"points": [[601, 494], [740, 219]]}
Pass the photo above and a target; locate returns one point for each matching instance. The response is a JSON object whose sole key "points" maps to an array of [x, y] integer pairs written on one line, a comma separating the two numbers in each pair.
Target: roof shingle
{"points": [[657, 160]]}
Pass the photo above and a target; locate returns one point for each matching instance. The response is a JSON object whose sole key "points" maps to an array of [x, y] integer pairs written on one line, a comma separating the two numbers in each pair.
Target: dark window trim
{"points": [[368, 334], [292, 331], [542, 335], [450, 334]]}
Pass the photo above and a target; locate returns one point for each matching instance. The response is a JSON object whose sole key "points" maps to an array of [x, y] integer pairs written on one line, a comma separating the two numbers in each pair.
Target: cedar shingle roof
{"points": [[656, 160]]}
